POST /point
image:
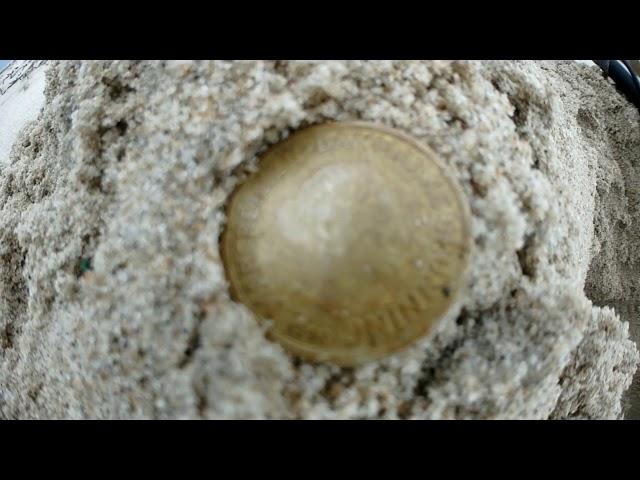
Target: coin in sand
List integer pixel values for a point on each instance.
(352, 239)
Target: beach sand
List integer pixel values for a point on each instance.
(113, 298)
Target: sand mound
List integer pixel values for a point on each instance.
(113, 300)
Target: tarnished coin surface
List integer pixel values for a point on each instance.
(351, 238)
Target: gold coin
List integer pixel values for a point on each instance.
(351, 238)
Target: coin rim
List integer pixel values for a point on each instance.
(352, 358)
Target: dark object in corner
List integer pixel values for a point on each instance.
(626, 79)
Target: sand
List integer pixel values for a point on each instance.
(113, 298)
